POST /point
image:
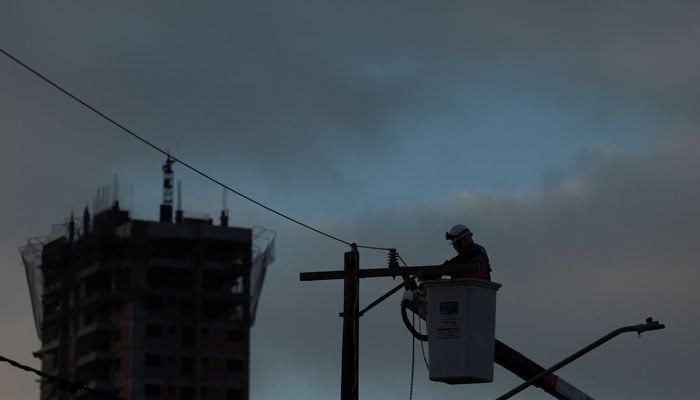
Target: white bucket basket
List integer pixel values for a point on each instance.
(461, 329)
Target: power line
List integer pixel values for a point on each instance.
(63, 384)
(413, 360)
(166, 153)
(419, 331)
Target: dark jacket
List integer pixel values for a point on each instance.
(476, 258)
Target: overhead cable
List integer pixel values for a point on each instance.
(72, 387)
(166, 153)
(413, 361)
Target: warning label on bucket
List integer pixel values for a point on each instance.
(448, 327)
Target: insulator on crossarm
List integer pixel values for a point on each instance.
(393, 259)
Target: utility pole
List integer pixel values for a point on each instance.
(349, 383)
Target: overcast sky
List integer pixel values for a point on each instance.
(564, 134)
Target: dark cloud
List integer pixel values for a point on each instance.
(285, 79)
(295, 93)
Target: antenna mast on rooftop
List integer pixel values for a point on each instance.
(166, 208)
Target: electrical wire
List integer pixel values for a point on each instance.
(184, 163)
(425, 359)
(413, 361)
(72, 387)
(422, 349)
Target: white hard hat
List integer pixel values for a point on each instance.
(457, 233)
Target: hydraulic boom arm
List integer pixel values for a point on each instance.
(525, 368)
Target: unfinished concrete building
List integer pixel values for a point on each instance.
(144, 309)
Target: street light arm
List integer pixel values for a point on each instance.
(650, 325)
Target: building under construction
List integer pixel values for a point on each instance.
(145, 309)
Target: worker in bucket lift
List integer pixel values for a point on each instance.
(469, 253)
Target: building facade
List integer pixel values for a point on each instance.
(147, 310)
